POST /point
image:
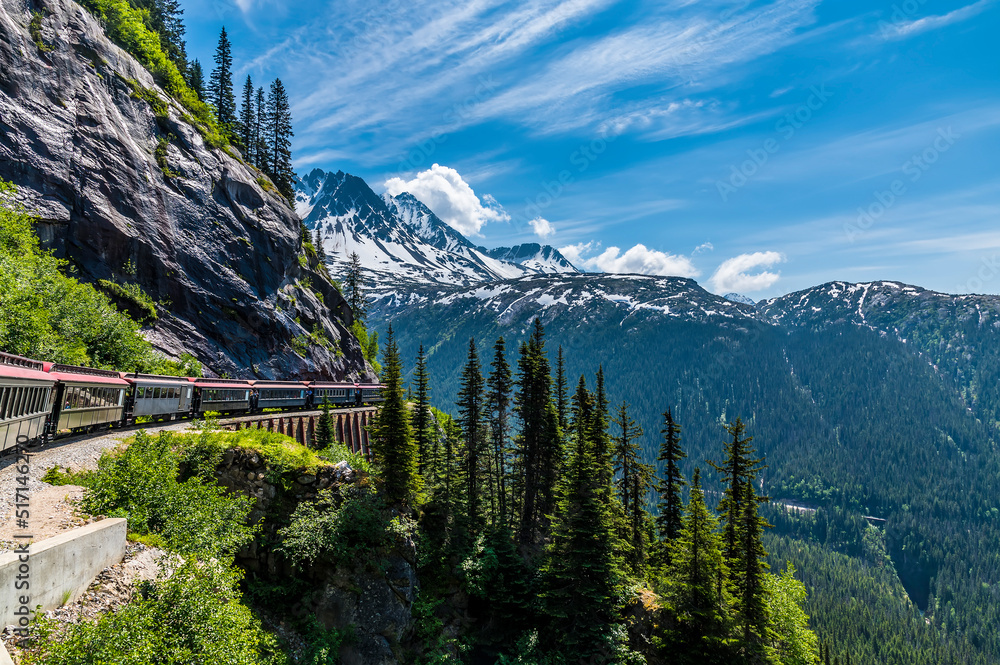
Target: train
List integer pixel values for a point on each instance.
(43, 400)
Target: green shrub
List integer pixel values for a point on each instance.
(56, 476)
(345, 525)
(35, 29)
(134, 295)
(194, 616)
(140, 482)
(150, 96)
(337, 452)
(267, 185)
(369, 344)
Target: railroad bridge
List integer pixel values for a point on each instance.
(350, 426)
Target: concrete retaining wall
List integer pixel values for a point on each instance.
(60, 568)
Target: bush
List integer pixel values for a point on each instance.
(346, 524)
(134, 296)
(140, 482)
(194, 616)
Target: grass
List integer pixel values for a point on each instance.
(134, 295)
(35, 28)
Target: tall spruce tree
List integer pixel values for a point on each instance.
(196, 79)
(423, 431)
(562, 398)
(221, 85)
(500, 383)
(670, 486)
(632, 485)
(538, 446)
(472, 420)
(695, 587)
(738, 469)
(260, 130)
(318, 244)
(279, 139)
(354, 285)
(580, 577)
(393, 444)
(324, 428)
(248, 119)
(750, 580)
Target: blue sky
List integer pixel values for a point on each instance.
(761, 147)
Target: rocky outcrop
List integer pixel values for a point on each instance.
(372, 599)
(128, 191)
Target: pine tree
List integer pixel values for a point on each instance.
(472, 420)
(602, 440)
(221, 86)
(196, 79)
(260, 129)
(318, 244)
(248, 117)
(279, 139)
(738, 469)
(669, 488)
(498, 399)
(632, 485)
(392, 443)
(164, 18)
(581, 579)
(562, 403)
(422, 416)
(538, 446)
(324, 428)
(694, 588)
(749, 578)
(354, 285)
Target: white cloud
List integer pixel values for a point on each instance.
(903, 29)
(703, 247)
(444, 191)
(543, 227)
(639, 259)
(734, 274)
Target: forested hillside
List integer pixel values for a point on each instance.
(851, 420)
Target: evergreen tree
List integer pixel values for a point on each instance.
(562, 399)
(669, 488)
(221, 86)
(472, 420)
(423, 431)
(196, 79)
(260, 130)
(750, 580)
(632, 485)
(324, 428)
(581, 580)
(392, 443)
(500, 383)
(318, 244)
(248, 118)
(738, 469)
(354, 285)
(694, 587)
(538, 446)
(164, 18)
(279, 139)
(602, 440)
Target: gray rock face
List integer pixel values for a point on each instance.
(202, 236)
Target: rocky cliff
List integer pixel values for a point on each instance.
(129, 192)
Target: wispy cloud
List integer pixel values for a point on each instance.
(637, 260)
(904, 28)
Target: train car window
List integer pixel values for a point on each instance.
(35, 392)
(156, 392)
(3, 402)
(19, 404)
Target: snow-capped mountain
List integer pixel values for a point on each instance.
(399, 239)
(540, 258)
(739, 297)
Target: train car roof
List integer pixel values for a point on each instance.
(265, 384)
(12, 360)
(332, 384)
(214, 383)
(14, 372)
(77, 374)
(155, 377)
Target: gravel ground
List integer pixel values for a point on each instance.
(77, 453)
